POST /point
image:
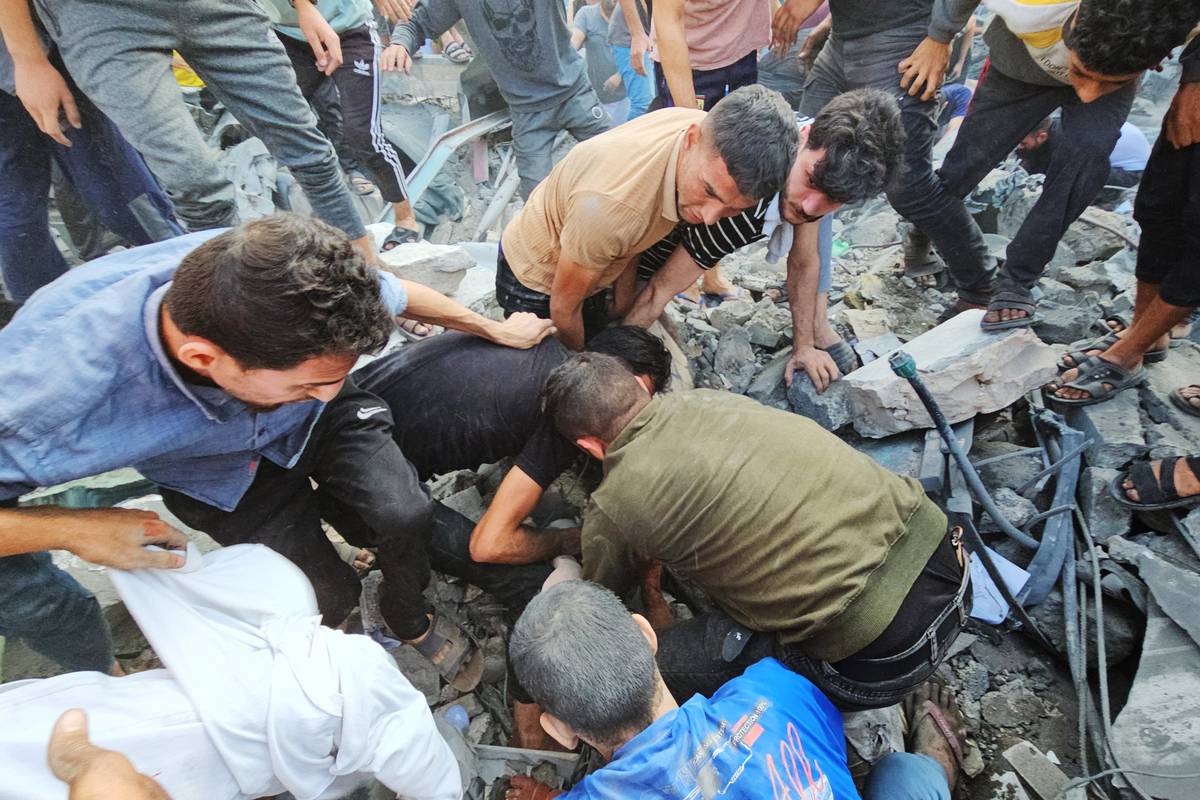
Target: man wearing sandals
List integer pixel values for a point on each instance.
(850, 152)
(1083, 57)
(811, 552)
(348, 28)
(1168, 289)
(216, 365)
(767, 733)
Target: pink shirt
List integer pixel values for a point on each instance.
(719, 32)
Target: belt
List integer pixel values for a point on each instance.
(931, 647)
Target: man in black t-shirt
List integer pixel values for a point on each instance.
(458, 402)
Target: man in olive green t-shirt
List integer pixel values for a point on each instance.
(813, 553)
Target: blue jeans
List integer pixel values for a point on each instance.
(638, 88)
(48, 610)
(907, 776)
(109, 175)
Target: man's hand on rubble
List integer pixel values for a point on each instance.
(817, 364)
(395, 59)
(1183, 118)
(94, 773)
(44, 93)
(326, 45)
(117, 537)
(395, 10)
(786, 23)
(922, 72)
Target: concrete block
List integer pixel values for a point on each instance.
(768, 387)
(1115, 426)
(730, 314)
(968, 371)
(1062, 323)
(869, 323)
(438, 266)
(1093, 243)
(1016, 509)
(902, 454)
(1105, 516)
(734, 359)
(1040, 774)
(468, 502)
(828, 409)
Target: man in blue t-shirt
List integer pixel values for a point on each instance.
(767, 733)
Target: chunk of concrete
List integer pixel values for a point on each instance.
(828, 409)
(420, 671)
(1092, 242)
(969, 372)
(1039, 773)
(869, 323)
(734, 359)
(1062, 323)
(1016, 509)
(1105, 516)
(439, 266)
(731, 314)
(769, 325)
(768, 387)
(1115, 428)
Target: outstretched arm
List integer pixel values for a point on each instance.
(110, 537)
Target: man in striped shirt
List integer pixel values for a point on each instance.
(850, 152)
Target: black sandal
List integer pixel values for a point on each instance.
(1154, 493)
(399, 236)
(1011, 300)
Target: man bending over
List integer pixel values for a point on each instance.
(814, 554)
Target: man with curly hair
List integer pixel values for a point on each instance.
(1082, 57)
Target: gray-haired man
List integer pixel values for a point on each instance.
(613, 196)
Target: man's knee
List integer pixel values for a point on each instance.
(907, 776)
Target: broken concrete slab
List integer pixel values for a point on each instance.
(1016, 509)
(869, 323)
(420, 671)
(1174, 588)
(1156, 731)
(1062, 323)
(1115, 428)
(1039, 773)
(968, 371)
(438, 266)
(770, 324)
(877, 347)
(768, 387)
(828, 409)
(734, 359)
(902, 454)
(1104, 515)
(1014, 706)
(1090, 241)
(731, 314)
(1122, 625)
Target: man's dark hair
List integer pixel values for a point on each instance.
(279, 291)
(754, 132)
(577, 651)
(640, 350)
(591, 394)
(1120, 37)
(863, 140)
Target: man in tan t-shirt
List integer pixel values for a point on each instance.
(614, 195)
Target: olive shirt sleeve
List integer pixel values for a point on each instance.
(607, 558)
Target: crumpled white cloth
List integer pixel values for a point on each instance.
(286, 703)
(778, 231)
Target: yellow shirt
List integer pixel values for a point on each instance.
(610, 198)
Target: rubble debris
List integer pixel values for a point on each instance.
(1012, 707)
(438, 266)
(829, 409)
(1016, 509)
(1122, 626)
(1156, 731)
(1105, 517)
(731, 314)
(1115, 428)
(734, 360)
(969, 371)
(1094, 236)
(1039, 773)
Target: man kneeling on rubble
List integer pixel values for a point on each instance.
(813, 553)
(767, 733)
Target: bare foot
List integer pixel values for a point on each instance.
(1191, 394)
(714, 282)
(1186, 482)
(926, 736)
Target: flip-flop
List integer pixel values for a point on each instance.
(915, 712)
(451, 650)
(1012, 300)
(408, 329)
(1181, 402)
(1101, 379)
(1158, 495)
(1120, 319)
(687, 301)
(721, 297)
(843, 355)
(360, 185)
(399, 236)
(456, 53)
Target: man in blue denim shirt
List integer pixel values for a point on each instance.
(209, 371)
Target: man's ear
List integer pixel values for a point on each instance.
(647, 631)
(646, 382)
(691, 136)
(594, 446)
(198, 354)
(560, 731)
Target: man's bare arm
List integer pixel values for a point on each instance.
(110, 537)
(678, 273)
(803, 277)
(673, 52)
(500, 538)
(39, 86)
(639, 39)
(573, 284)
(521, 330)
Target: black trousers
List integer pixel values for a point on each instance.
(370, 493)
(691, 655)
(514, 296)
(1168, 209)
(357, 80)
